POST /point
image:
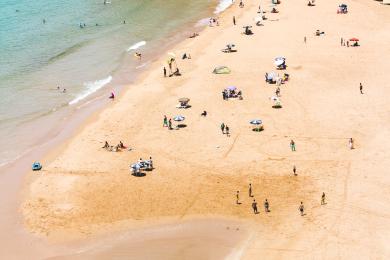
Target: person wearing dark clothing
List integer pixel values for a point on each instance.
(266, 205)
(254, 206)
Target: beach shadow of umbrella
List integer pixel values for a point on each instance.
(139, 174)
(181, 126)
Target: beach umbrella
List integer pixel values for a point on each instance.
(256, 122)
(271, 75)
(179, 118)
(221, 70)
(184, 100)
(354, 39)
(279, 62)
(231, 88)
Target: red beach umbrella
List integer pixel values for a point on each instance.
(354, 39)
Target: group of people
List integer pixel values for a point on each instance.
(167, 123)
(225, 129)
(231, 93)
(115, 148)
(301, 207)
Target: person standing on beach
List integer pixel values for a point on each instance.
(292, 145)
(295, 171)
(254, 206)
(341, 41)
(301, 208)
(347, 43)
(250, 190)
(361, 88)
(234, 20)
(227, 130)
(238, 197)
(304, 39)
(266, 206)
(165, 123)
(170, 124)
(223, 128)
(350, 143)
(323, 199)
(165, 72)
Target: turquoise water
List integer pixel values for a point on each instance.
(42, 47)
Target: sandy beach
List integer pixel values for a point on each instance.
(85, 192)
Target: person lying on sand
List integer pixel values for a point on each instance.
(194, 35)
(106, 145)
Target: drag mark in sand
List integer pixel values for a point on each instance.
(231, 146)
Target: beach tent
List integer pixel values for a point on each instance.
(221, 70)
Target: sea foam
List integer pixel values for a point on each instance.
(136, 46)
(222, 6)
(91, 87)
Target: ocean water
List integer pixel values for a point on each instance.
(44, 45)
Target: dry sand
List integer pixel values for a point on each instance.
(85, 191)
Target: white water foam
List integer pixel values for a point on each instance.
(91, 87)
(222, 6)
(136, 46)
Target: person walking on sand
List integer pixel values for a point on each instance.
(301, 208)
(277, 92)
(170, 124)
(254, 206)
(165, 72)
(350, 143)
(266, 206)
(238, 197)
(323, 199)
(292, 145)
(227, 130)
(234, 20)
(223, 128)
(347, 43)
(304, 39)
(341, 41)
(165, 122)
(361, 88)
(250, 190)
(295, 171)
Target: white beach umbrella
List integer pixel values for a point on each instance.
(179, 118)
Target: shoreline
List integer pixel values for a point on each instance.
(205, 181)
